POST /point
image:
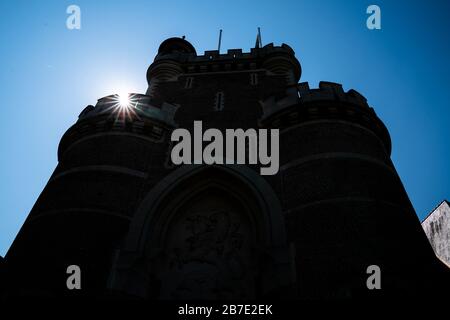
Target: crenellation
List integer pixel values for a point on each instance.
(141, 106)
(302, 93)
(85, 111)
(212, 53)
(357, 98)
(234, 53)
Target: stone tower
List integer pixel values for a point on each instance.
(139, 226)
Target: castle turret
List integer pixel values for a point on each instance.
(105, 161)
(346, 207)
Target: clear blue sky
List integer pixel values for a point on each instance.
(49, 74)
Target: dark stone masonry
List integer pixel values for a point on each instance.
(140, 227)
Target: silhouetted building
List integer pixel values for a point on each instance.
(437, 229)
(139, 226)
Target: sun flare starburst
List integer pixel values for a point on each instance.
(124, 100)
(124, 105)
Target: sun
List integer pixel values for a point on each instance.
(124, 100)
(125, 105)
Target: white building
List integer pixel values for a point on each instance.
(437, 229)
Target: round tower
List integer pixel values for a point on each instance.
(281, 61)
(114, 151)
(168, 62)
(346, 208)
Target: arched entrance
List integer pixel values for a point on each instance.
(206, 232)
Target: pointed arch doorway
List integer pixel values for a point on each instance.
(206, 232)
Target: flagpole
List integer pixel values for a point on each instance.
(220, 40)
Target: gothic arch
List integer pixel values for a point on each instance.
(263, 192)
(228, 203)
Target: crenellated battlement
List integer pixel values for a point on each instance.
(232, 54)
(172, 61)
(140, 105)
(302, 94)
(330, 91)
(140, 117)
(301, 104)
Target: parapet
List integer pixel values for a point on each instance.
(140, 105)
(184, 56)
(301, 94)
(178, 57)
(329, 101)
(141, 117)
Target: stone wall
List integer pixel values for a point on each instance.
(437, 229)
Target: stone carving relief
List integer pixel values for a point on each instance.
(208, 256)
